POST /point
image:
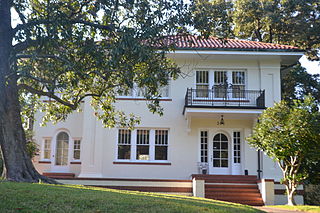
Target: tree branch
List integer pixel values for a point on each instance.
(47, 22)
(48, 94)
(20, 56)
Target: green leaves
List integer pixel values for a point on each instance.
(70, 51)
(290, 134)
(290, 22)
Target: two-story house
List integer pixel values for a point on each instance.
(199, 145)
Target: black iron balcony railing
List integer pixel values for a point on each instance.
(225, 97)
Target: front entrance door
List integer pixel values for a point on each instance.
(61, 153)
(220, 155)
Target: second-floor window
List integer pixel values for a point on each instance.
(137, 92)
(224, 83)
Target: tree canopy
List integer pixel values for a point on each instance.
(69, 50)
(290, 135)
(291, 22)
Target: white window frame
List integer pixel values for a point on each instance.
(135, 90)
(229, 78)
(73, 140)
(43, 149)
(133, 147)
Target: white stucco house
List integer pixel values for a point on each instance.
(199, 145)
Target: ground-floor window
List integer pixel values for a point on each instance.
(124, 144)
(47, 149)
(76, 149)
(143, 144)
(236, 147)
(204, 146)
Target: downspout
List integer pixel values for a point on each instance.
(259, 171)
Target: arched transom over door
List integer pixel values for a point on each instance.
(220, 154)
(62, 149)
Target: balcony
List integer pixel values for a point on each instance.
(225, 98)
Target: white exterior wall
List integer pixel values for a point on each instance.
(98, 146)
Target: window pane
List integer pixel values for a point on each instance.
(143, 136)
(202, 84)
(124, 152)
(202, 91)
(124, 136)
(76, 149)
(224, 163)
(161, 153)
(216, 163)
(161, 137)
(143, 152)
(76, 154)
(47, 149)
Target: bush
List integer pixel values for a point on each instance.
(312, 194)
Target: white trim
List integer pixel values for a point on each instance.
(42, 149)
(133, 146)
(72, 145)
(227, 111)
(59, 168)
(213, 52)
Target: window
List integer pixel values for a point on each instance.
(143, 144)
(224, 83)
(124, 144)
(220, 150)
(62, 149)
(202, 83)
(76, 149)
(140, 92)
(47, 149)
(236, 147)
(238, 84)
(161, 145)
(204, 146)
(220, 84)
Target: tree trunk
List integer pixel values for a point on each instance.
(290, 194)
(17, 164)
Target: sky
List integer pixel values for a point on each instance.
(313, 67)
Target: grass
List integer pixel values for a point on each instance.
(303, 208)
(26, 197)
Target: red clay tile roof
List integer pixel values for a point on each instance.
(197, 42)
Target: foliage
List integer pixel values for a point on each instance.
(294, 22)
(290, 135)
(297, 83)
(69, 50)
(16, 197)
(312, 194)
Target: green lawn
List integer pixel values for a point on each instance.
(24, 197)
(303, 208)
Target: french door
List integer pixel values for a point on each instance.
(61, 153)
(220, 156)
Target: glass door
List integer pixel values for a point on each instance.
(220, 154)
(61, 157)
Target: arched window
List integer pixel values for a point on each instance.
(220, 150)
(62, 149)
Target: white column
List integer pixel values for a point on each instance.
(198, 188)
(89, 167)
(266, 187)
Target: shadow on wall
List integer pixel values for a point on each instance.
(312, 194)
